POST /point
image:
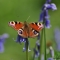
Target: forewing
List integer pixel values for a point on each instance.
(36, 26)
(16, 25)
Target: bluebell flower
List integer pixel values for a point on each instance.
(37, 49)
(20, 39)
(47, 23)
(36, 53)
(38, 37)
(57, 38)
(1, 46)
(24, 48)
(53, 6)
(38, 46)
(48, 1)
(2, 40)
(49, 5)
(44, 14)
(50, 58)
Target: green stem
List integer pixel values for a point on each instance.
(41, 38)
(34, 54)
(44, 43)
(27, 58)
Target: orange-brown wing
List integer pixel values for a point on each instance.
(23, 33)
(36, 26)
(33, 33)
(16, 25)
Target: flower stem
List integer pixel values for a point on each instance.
(44, 20)
(27, 58)
(41, 42)
(44, 43)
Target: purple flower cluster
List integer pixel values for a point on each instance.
(44, 18)
(20, 40)
(37, 46)
(2, 40)
(44, 14)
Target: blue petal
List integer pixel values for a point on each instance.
(47, 6)
(20, 39)
(35, 51)
(38, 37)
(48, 1)
(50, 59)
(47, 24)
(53, 6)
(24, 48)
(46, 14)
(41, 17)
(1, 47)
(57, 37)
(38, 45)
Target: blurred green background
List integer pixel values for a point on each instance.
(19, 10)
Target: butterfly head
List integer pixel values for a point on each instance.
(25, 24)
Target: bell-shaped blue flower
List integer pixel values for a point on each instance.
(50, 58)
(38, 37)
(48, 1)
(57, 38)
(2, 40)
(53, 6)
(20, 39)
(36, 53)
(47, 24)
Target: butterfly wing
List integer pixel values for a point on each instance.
(33, 33)
(35, 28)
(23, 33)
(31, 30)
(16, 25)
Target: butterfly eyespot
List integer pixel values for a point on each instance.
(20, 32)
(15, 22)
(12, 22)
(35, 32)
(39, 24)
(19, 22)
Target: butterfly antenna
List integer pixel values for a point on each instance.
(28, 18)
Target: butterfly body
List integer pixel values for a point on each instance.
(26, 30)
